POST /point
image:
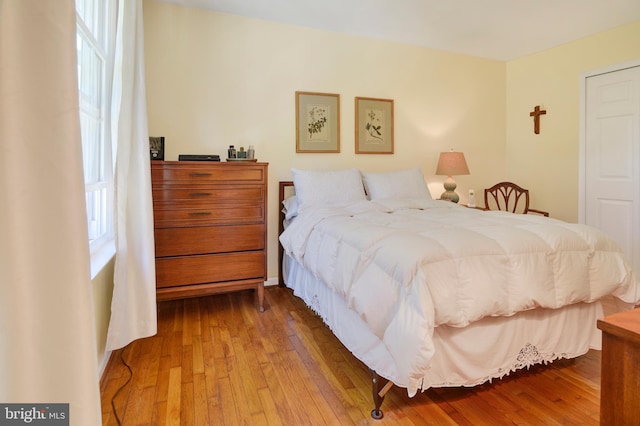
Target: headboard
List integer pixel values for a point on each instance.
(283, 190)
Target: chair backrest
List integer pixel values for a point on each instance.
(507, 196)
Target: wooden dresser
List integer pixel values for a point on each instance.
(620, 374)
(210, 222)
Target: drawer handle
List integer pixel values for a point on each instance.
(199, 194)
(200, 214)
(199, 174)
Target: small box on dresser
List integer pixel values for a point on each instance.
(210, 226)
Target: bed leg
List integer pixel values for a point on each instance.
(379, 391)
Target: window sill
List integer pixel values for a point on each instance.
(101, 256)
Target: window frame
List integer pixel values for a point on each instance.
(98, 31)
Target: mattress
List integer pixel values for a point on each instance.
(464, 356)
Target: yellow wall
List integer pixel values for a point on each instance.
(547, 163)
(215, 79)
(102, 292)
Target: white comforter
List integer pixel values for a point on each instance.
(408, 266)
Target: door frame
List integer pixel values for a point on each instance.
(582, 157)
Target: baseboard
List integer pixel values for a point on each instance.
(271, 281)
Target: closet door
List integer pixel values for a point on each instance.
(612, 157)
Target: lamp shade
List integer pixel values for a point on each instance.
(452, 164)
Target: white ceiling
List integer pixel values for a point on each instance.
(494, 29)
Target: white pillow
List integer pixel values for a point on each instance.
(337, 188)
(290, 207)
(399, 184)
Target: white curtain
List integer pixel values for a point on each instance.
(133, 309)
(47, 329)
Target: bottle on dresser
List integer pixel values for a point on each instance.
(231, 152)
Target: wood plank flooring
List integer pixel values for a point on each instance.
(216, 360)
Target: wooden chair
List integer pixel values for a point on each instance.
(508, 196)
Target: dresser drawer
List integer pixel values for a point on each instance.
(194, 197)
(195, 174)
(238, 214)
(176, 271)
(204, 240)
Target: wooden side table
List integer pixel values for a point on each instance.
(620, 372)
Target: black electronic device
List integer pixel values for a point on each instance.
(198, 157)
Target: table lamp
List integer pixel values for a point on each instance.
(451, 164)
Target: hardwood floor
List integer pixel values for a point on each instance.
(217, 360)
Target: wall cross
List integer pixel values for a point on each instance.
(536, 113)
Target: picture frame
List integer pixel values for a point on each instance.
(317, 122)
(156, 147)
(374, 125)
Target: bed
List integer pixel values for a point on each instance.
(428, 293)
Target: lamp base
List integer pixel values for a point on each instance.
(449, 194)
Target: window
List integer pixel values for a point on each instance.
(95, 43)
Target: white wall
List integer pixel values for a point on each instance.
(215, 79)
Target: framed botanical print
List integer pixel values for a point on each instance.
(317, 122)
(374, 126)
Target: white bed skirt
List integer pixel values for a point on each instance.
(487, 349)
